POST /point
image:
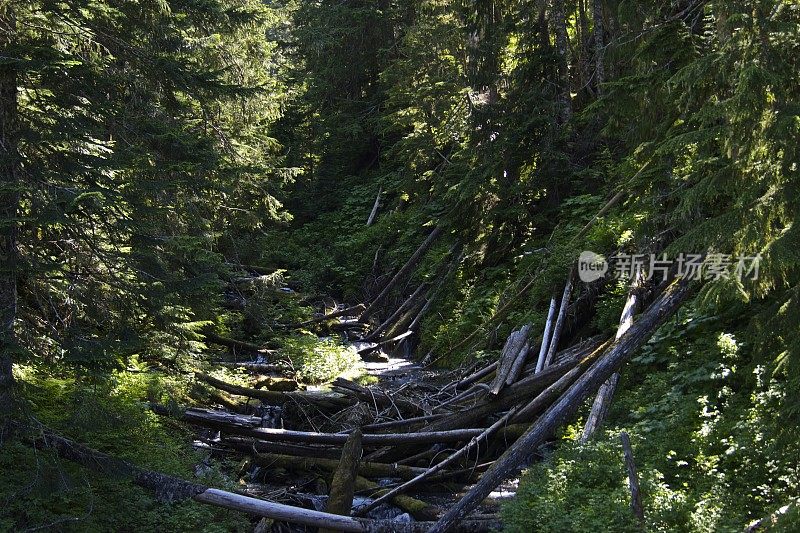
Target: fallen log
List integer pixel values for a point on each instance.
(402, 423)
(602, 402)
(202, 418)
(275, 397)
(619, 352)
(365, 468)
(169, 488)
(417, 508)
(633, 478)
(347, 311)
(548, 325)
(377, 396)
(452, 458)
(257, 368)
(519, 362)
(551, 393)
(559, 325)
(254, 447)
(236, 345)
(401, 274)
(410, 302)
(384, 342)
(477, 376)
(343, 484)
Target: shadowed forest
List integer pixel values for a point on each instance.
(399, 265)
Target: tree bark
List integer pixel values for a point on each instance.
(560, 412)
(9, 207)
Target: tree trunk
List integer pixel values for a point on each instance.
(343, 484)
(546, 335)
(570, 401)
(9, 205)
(559, 16)
(562, 316)
(599, 45)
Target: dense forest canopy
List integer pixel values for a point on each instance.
(188, 187)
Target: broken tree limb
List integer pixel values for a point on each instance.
(546, 335)
(560, 412)
(343, 484)
(602, 402)
(374, 211)
(633, 478)
(562, 315)
(401, 274)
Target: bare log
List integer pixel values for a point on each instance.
(452, 458)
(254, 447)
(511, 351)
(343, 484)
(401, 274)
(402, 423)
(619, 352)
(374, 211)
(365, 468)
(274, 397)
(236, 345)
(169, 488)
(418, 509)
(477, 376)
(251, 366)
(519, 363)
(546, 335)
(633, 478)
(602, 402)
(202, 417)
(562, 315)
(347, 311)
